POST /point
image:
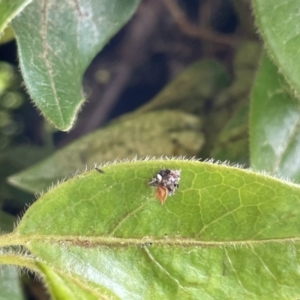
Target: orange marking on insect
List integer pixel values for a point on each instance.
(161, 194)
(166, 182)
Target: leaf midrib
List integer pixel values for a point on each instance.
(89, 242)
(44, 35)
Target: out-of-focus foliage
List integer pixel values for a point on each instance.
(8, 35)
(11, 98)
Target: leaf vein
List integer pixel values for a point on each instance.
(45, 48)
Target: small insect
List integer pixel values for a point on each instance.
(166, 182)
(99, 170)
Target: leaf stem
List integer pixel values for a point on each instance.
(19, 260)
(11, 239)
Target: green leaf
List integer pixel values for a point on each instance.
(245, 65)
(10, 287)
(7, 36)
(225, 124)
(227, 233)
(274, 124)
(9, 80)
(6, 221)
(24, 156)
(9, 9)
(13, 160)
(156, 134)
(277, 21)
(185, 92)
(232, 143)
(56, 49)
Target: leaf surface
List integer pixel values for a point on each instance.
(277, 21)
(227, 233)
(64, 38)
(274, 124)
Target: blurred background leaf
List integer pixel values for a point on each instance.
(8, 35)
(232, 143)
(228, 121)
(10, 287)
(6, 222)
(191, 89)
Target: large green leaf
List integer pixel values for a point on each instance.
(277, 21)
(274, 124)
(9, 9)
(156, 134)
(57, 47)
(227, 233)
